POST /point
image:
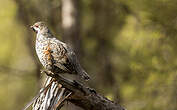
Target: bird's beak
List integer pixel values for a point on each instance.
(32, 27)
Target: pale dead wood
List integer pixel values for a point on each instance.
(82, 96)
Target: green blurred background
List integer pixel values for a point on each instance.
(127, 46)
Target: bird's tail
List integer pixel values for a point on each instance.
(84, 75)
(81, 72)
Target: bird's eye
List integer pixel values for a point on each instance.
(37, 26)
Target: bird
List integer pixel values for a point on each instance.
(55, 55)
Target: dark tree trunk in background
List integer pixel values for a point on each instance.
(103, 29)
(71, 17)
(24, 18)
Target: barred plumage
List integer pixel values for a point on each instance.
(54, 54)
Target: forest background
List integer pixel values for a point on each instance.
(127, 46)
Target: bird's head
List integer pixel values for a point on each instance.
(39, 27)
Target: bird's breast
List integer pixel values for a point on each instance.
(41, 48)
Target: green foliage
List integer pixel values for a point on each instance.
(129, 49)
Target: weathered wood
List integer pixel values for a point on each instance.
(85, 97)
(51, 97)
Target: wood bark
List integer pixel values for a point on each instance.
(82, 96)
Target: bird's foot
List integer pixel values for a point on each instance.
(42, 71)
(47, 72)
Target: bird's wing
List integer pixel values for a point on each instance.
(75, 63)
(62, 57)
(65, 59)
